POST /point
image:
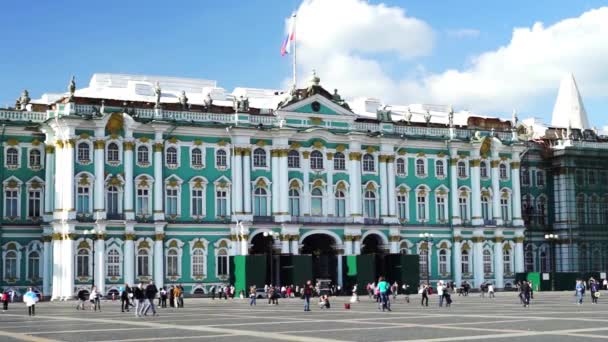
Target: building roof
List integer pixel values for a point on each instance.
(569, 110)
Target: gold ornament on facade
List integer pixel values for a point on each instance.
(457, 238)
(233, 237)
(348, 238)
(466, 247)
(495, 163)
(128, 145)
(70, 236)
(305, 154)
(223, 244)
(330, 156)
(84, 135)
(515, 165)
(12, 184)
(173, 140)
(260, 143)
(485, 193)
(453, 162)
(35, 185)
(505, 195)
(444, 245)
(114, 136)
(172, 244)
(486, 145)
(198, 183)
(222, 184)
(100, 144)
(441, 155)
(294, 185)
(519, 239)
(46, 238)
(421, 154)
(11, 246)
(83, 244)
(144, 139)
(318, 144)
(394, 238)
(172, 183)
(59, 144)
(464, 193)
(370, 186)
(475, 163)
(246, 151)
(442, 192)
(356, 237)
(370, 149)
(382, 158)
(143, 182)
(84, 180)
(317, 183)
(477, 239)
(221, 143)
(354, 156)
(275, 153)
(499, 239)
(115, 123)
(158, 147)
(316, 121)
(143, 244)
(35, 142)
(57, 236)
(159, 237)
(341, 186)
(129, 237)
(295, 145)
(424, 246)
(12, 142)
(115, 181)
(340, 148)
(506, 247)
(260, 183)
(49, 149)
(402, 190)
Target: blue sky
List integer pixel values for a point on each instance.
(237, 43)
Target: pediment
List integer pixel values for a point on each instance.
(317, 105)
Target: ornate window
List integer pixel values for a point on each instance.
(421, 205)
(439, 168)
(316, 201)
(529, 259)
(113, 153)
(525, 176)
(112, 202)
(33, 265)
(143, 155)
(420, 167)
(172, 261)
(368, 163)
(221, 159)
(443, 261)
(541, 210)
(35, 159)
(34, 203)
(462, 169)
(441, 209)
(400, 167)
(339, 161)
(260, 202)
(340, 203)
(198, 258)
(502, 169)
(402, 206)
(196, 157)
(172, 201)
(12, 157)
(487, 261)
(171, 157)
(506, 257)
(485, 208)
(423, 254)
(197, 202)
(293, 159)
(221, 202)
(143, 201)
(483, 169)
(83, 196)
(83, 153)
(222, 262)
(464, 262)
(259, 158)
(11, 199)
(113, 263)
(540, 178)
(504, 207)
(10, 265)
(463, 205)
(143, 262)
(82, 263)
(294, 202)
(316, 160)
(369, 204)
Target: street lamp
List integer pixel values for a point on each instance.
(552, 238)
(428, 239)
(272, 236)
(92, 233)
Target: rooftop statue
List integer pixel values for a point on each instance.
(427, 118)
(408, 116)
(157, 91)
(384, 113)
(24, 100)
(208, 101)
(72, 88)
(183, 100)
(451, 117)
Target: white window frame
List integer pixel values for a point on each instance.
(89, 144)
(179, 250)
(426, 190)
(217, 250)
(444, 167)
(469, 260)
(40, 190)
(91, 180)
(462, 167)
(373, 162)
(150, 250)
(467, 203)
(29, 157)
(525, 171)
(120, 152)
(17, 189)
(345, 191)
(320, 198)
(541, 173)
(444, 196)
(345, 168)
(485, 165)
(116, 245)
(222, 184)
(483, 257)
(177, 187)
(319, 159)
(293, 200)
(447, 263)
(509, 204)
(191, 157)
(266, 166)
(138, 162)
(178, 156)
(500, 176)
(406, 194)
(34, 246)
(299, 159)
(404, 161)
(425, 166)
(18, 256)
(149, 186)
(227, 156)
(205, 249)
(192, 185)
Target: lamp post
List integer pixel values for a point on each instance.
(272, 236)
(552, 238)
(428, 239)
(92, 233)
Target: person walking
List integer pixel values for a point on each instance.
(594, 289)
(124, 298)
(163, 297)
(252, 295)
(395, 290)
(5, 301)
(440, 290)
(150, 295)
(491, 291)
(180, 298)
(383, 290)
(527, 293)
(306, 294)
(139, 297)
(94, 299)
(30, 298)
(424, 301)
(579, 291)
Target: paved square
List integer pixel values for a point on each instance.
(552, 317)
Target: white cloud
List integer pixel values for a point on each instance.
(354, 46)
(463, 33)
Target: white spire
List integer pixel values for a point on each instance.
(569, 110)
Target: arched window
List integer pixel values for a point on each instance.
(464, 262)
(10, 265)
(439, 168)
(316, 201)
(113, 153)
(443, 261)
(197, 201)
(293, 159)
(82, 263)
(420, 168)
(196, 157)
(198, 263)
(171, 156)
(402, 207)
(503, 171)
(11, 201)
(400, 166)
(171, 201)
(421, 206)
(221, 160)
(529, 259)
(143, 263)
(368, 163)
(83, 199)
(12, 157)
(369, 204)
(525, 176)
(33, 265)
(260, 202)
(113, 263)
(463, 202)
(222, 262)
(143, 155)
(339, 161)
(544, 264)
(259, 157)
(316, 160)
(221, 202)
(541, 210)
(172, 263)
(142, 204)
(423, 254)
(441, 208)
(340, 204)
(506, 257)
(462, 169)
(112, 204)
(83, 153)
(483, 169)
(485, 208)
(35, 158)
(487, 261)
(294, 202)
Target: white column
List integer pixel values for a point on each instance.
(68, 185)
(499, 269)
(305, 201)
(357, 245)
(159, 256)
(515, 183)
(100, 263)
(99, 164)
(46, 271)
(456, 220)
(519, 253)
(67, 284)
(237, 180)
(478, 259)
(394, 244)
(392, 200)
(159, 213)
(496, 215)
(383, 187)
(284, 185)
(354, 171)
(276, 193)
(247, 181)
(245, 244)
(340, 281)
(457, 257)
(57, 266)
(329, 194)
(285, 244)
(58, 188)
(477, 220)
(348, 245)
(129, 259)
(49, 182)
(128, 162)
(295, 245)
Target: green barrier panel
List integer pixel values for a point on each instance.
(366, 271)
(534, 278)
(349, 273)
(302, 269)
(248, 270)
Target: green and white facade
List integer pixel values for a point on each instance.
(164, 188)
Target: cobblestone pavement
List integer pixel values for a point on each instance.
(552, 317)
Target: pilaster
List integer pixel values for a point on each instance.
(477, 220)
(456, 220)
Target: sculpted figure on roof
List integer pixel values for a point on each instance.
(157, 91)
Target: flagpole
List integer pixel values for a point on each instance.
(295, 38)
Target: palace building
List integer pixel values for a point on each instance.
(139, 178)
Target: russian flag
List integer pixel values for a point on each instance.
(291, 37)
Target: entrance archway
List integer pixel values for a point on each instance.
(322, 248)
(373, 246)
(263, 245)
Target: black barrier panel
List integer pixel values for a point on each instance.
(296, 269)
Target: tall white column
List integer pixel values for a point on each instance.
(67, 283)
(354, 174)
(478, 259)
(519, 253)
(456, 220)
(496, 215)
(46, 270)
(58, 189)
(284, 184)
(57, 266)
(340, 281)
(305, 201)
(285, 244)
(68, 184)
(457, 257)
(100, 262)
(99, 165)
(49, 189)
(477, 220)
(348, 245)
(159, 256)
(515, 183)
(357, 245)
(237, 180)
(275, 167)
(394, 243)
(159, 213)
(392, 200)
(499, 269)
(245, 244)
(247, 181)
(129, 257)
(383, 187)
(329, 192)
(128, 162)
(295, 245)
